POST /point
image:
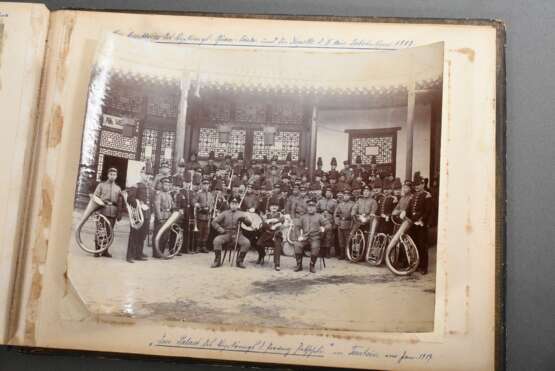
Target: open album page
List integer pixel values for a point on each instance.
(282, 191)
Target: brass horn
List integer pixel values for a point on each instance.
(136, 216)
(104, 235)
(177, 232)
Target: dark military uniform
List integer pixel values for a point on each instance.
(184, 202)
(110, 193)
(326, 207)
(143, 193)
(271, 236)
(417, 211)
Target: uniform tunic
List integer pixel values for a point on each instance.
(418, 210)
(205, 199)
(109, 193)
(343, 220)
(226, 223)
(310, 225)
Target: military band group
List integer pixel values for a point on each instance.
(266, 205)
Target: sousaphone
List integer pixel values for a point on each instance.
(174, 240)
(103, 232)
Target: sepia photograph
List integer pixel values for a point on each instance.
(260, 187)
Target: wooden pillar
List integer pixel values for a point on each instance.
(411, 99)
(313, 142)
(179, 149)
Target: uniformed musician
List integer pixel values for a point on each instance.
(227, 225)
(326, 207)
(163, 208)
(333, 171)
(203, 202)
(417, 211)
(163, 173)
(312, 225)
(142, 192)
(184, 202)
(110, 193)
(271, 234)
(363, 210)
(343, 219)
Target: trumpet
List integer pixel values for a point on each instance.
(136, 216)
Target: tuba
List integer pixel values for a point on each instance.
(175, 237)
(103, 235)
(136, 217)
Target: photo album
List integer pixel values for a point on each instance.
(309, 191)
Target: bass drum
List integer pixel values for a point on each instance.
(251, 231)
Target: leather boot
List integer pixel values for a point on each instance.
(312, 264)
(240, 259)
(299, 266)
(217, 259)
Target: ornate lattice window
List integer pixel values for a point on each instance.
(380, 144)
(284, 142)
(166, 146)
(148, 145)
(219, 111)
(124, 100)
(209, 140)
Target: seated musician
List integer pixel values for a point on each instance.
(271, 235)
(312, 225)
(363, 209)
(227, 225)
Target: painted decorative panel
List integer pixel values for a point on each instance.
(111, 139)
(163, 106)
(286, 114)
(251, 113)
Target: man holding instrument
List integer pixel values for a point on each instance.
(228, 225)
(312, 226)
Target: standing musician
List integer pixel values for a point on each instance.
(365, 208)
(385, 211)
(227, 224)
(110, 193)
(319, 172)
(271, 235)
(210, 167)
(250, 201)
(333, 172)
(326, 207)
(299, 203)
(164, 172)
(203, 202)
(417, 211)
(140, 192)
(274, 197)
(343, 220)
(346, 172)
(179, 177)
(287, 169)
(163, 208)
(312, 225)
(184, 202)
